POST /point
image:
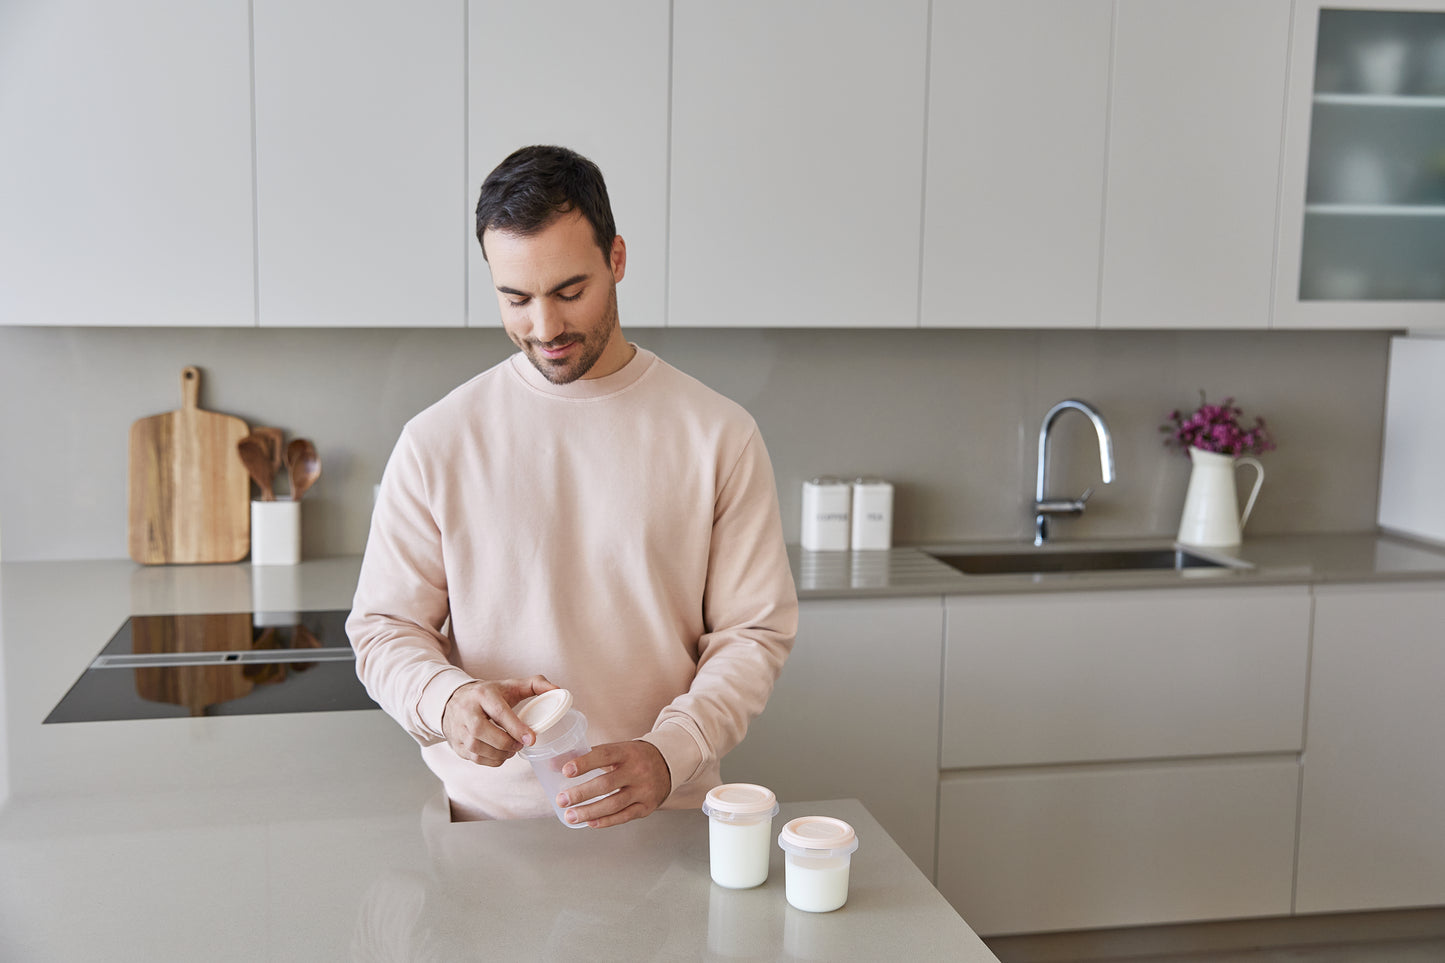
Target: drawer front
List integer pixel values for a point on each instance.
(1128, 846)
(1101, 676)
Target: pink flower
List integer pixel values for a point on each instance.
(1216, 428)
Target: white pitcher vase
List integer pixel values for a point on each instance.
(1211, 505)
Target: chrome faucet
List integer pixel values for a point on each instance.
(1044, 506)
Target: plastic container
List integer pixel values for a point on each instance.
(561, 737)
(740, 833)
(819, 854)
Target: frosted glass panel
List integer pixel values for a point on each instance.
(1375, 198)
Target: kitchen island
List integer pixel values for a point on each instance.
(320, 835)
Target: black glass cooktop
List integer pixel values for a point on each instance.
(218, 664)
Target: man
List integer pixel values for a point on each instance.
(582, 515)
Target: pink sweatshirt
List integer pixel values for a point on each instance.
(618, 535)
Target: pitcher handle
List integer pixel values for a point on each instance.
(1258, 481)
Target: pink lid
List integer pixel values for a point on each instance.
(542, 712)
(740, 799)
(818, 835)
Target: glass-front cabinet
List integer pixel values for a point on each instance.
(1362, 227)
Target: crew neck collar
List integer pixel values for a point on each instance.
(584, 389)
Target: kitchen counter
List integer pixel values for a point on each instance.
(319, 835)
(1273, 560)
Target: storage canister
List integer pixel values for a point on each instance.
(872, 514)
(740, 832)
(561, 737)
(819, 854)
(827, 506)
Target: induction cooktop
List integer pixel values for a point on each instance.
(218, 664)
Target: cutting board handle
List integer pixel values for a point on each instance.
(190, 387)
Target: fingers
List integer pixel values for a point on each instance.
(480, 724)
(633, 772)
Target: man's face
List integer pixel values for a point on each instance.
(558, 297)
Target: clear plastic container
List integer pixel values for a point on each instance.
(561, 737)
(740, 832)
(819, 855)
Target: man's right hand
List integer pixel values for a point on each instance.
(479, 723)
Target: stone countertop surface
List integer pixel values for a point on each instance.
(1317, 559)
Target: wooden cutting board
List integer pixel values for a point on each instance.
(190, 495)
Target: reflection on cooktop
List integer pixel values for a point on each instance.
(214, 664)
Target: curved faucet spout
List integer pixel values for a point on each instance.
(1043, 505)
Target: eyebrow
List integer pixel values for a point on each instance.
(574, 279)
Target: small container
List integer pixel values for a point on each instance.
(561, 737)
(275, 532)
(827, 504)
(872, 514)
(740, 832)
(819, 854)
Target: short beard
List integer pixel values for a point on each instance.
(566, 372)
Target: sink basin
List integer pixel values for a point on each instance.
(1076, 560)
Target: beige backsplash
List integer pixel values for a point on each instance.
(951, 417)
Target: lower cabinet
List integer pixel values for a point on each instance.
(1087, 847)
(1372, 807)
(855, 715)
(1121, 758)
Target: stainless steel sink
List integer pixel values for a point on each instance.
(1077, 560)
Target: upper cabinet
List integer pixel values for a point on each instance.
(592, 77)
(797, 163)
(125, 163)
(1194, 142)
(1017, 110)
(360, 197)
(1362, 225)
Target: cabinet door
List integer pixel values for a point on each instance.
(592, 77)
(1118, 846)
(797, 163)
(361, 208)
(855, 714)
(1098, 676)
(125, 164)
(1196, 113)
(1362, 212)
(1374, 788)
(1014, 202)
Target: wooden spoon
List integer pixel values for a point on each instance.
(303, 466)
(257, 459)
(271, 437)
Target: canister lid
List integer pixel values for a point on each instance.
(542, 712)
(818, 835)
(827, 481)
(740, 799)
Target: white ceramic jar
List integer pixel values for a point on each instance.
(819, 855)
(740, 833)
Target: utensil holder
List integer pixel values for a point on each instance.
(275, 532)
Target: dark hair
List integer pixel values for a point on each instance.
(534, 185)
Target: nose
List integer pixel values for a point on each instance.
(547, 321)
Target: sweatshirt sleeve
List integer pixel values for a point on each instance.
(401, 605)
(750, 610)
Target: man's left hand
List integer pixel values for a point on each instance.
(635, 769)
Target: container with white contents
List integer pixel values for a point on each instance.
(740, 832)
(561, 737)
(819, 852)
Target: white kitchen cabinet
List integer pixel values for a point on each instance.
(1362, 211)
(1097, 676)
(360, 192)
(1017, 111)
(1196, 111)
(1374, 788)
(797, 163)
(125, 164)
(592, 77)
(1077, 848)
(855, 714)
